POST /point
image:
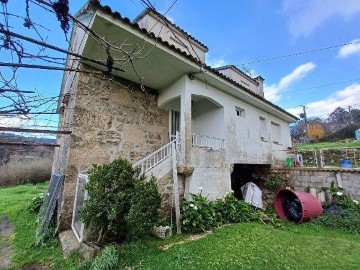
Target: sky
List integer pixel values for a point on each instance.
(308, 52)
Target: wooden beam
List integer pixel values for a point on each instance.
(3, 90)
(28, 130)
(29, 144)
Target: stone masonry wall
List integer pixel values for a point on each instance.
(304, 178)
(108, 121)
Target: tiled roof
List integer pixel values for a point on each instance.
(238, 70)
(116, 15)
(149, 10)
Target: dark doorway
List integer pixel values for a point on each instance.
(244, 173)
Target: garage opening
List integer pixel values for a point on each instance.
(244, 173)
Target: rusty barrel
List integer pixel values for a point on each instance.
(307, 205)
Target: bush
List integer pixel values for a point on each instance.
(121, 203)
(274, 183)
(345, 219)
(35, 204)
(108, 259)
(143, 214)
(231, 210)
(201, 214)
(345, 215)
(197, 215)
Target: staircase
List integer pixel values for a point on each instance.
(149, 165)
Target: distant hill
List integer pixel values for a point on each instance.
(11, 137)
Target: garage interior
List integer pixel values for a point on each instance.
(244, 173)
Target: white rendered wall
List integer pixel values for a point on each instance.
(205, 115)
(243, 142)
(173, 36)
(242, 79)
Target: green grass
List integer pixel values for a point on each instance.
(340, 144)
(13, 203)
(238, 246)
(252, 246)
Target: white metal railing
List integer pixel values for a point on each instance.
(155, 158)
(200, 140)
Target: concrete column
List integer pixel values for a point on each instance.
(185, 125)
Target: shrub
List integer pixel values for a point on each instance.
(117, 206)
(35, 203)
(345, 215)
(201, 214)
(197, 215)
(345, 219)
(274, 183)
(108, 259)
(143, 214)
(231, 210)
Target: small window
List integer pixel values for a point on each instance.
(263, 129)
(240, 112)
(275, 132)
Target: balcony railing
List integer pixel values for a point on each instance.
(199, 140)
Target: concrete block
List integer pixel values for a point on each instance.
(88, 252)
(69, 243)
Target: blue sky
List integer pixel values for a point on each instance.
(239, 32)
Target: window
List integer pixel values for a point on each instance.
(275, 132)
(240, 112)
(263, 129)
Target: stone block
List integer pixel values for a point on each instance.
(88, 252)
(69, 243)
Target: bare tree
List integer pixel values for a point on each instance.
(34, 52)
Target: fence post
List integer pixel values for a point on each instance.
(176, 190)
(318, 156)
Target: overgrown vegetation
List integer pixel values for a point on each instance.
(274, 183)
(15, 204)
(24, 171)
(108, 259)
(121, 204)
(201, 214)
(261, 246)
(343, 213)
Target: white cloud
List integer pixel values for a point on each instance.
(272, 92)
(13, 121)
(353, 47)
(215, 62)
(342, 98)
(306, 16)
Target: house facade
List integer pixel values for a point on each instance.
(222, 125)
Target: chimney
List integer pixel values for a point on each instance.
(260, 80)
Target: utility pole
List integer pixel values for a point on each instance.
(350, 118)
(303, 115)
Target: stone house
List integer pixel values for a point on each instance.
(223, 127)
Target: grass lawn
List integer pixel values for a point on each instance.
(239, 246)
(252, 246)
(340, 144)
(13, 203)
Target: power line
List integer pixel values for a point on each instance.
(314, 87)
(297, 53)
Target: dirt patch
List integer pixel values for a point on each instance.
(5, 250)
(193, 237)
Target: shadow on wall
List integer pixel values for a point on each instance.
(22, 171)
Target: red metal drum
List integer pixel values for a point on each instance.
(310, 205)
